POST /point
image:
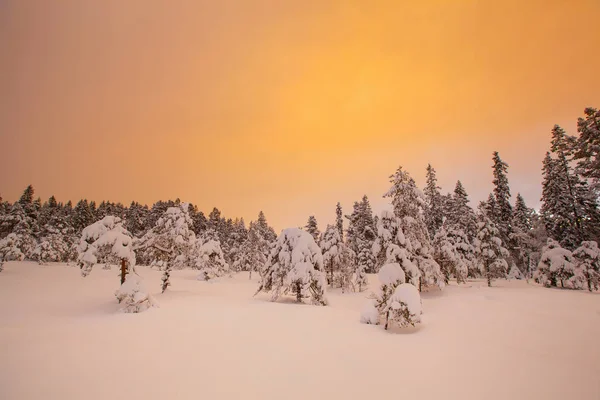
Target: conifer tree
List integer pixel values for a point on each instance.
(587, 150)
(433, 202)
(587, 265)
(488, 247)
(339, 220)
(312, 228)
(460, 214)
(503, 214)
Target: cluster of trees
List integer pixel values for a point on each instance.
(432, 237)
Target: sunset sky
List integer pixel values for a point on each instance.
(285, 106)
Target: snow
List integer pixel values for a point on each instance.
(409, 295)
(390, 274)
(63, 337)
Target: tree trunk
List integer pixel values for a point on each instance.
(589, 284)
(250, 274)
(123, 270)
(298, 292)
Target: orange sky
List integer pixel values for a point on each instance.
(285, 106)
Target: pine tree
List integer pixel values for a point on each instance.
(503, 214)
(453, 252)
(312, 228)
(339, 220)
(170, 243)
(433, 201)
(82, 215)
(301, 274)
(210, 260)
(336, 258)
(488, 247)
(460, 214)
(587, 152)
(408, 205)
(587, 265)
(556, 265)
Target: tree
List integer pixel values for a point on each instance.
(394, 301)
(433, 201)
(82, 215)
(252, 253)
(587, 264)
(10, 250)
(556, 265)
(587, 150)
(408, 203)
(453, 252)
(503, 215)
(569, 206)
(338, 259)
(133, 296)
(339, 220)
(210, 260)
(361, 235)
(295, 265)
(105, 241)
(460, 214)
(170, 243)
(311, 227)
(488, 247)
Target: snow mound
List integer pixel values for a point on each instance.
(404, 306)
(391, 273)
(369, 314)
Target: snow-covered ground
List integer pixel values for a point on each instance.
(61, 337)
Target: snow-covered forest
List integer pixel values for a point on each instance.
(471, 283)
(434, 237)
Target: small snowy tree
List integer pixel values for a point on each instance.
(338, 260)
(587, 264)
(312, 228)
(170, 242)
(295, 265)
(452, 251)
(556, 265)
(104, 241)
(488, 247)
(210, 260)
(394, 301)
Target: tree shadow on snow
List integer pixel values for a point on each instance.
(411, 330)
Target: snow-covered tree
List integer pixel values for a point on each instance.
(394, 301)
(569, 205)
(408, 203)
(556, 265)
(453, 252)
(10, 249)
(105, 241)
(210, 260)
(433, 202)
(338, 260)
(587, 264)
(339, 220)
(460, 214)
(361, 234)
(295, 265)
(587, 152)
(503, 216)
(170, 243)
(488, 247)
(312, 228)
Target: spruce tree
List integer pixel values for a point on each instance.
(339, 220)
(587, 152)
(503, 213)
(434, 202)
(488, 247)
(312, 228)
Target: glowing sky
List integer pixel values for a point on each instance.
(285, 106)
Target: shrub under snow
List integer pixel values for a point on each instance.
(395, 301)
(9, 249)
(556, 265)
(587, 260)
(133, 296)
(295, 265)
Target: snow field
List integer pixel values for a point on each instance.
(62, 337)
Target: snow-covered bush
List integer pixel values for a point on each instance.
(556, 265)
(295, 265)
(104, 241)
(404, 306)
(133, 296)
(210, 260)
(51, 248)
(515, 272)
(369, 314)
(9, 249)
(587, 262)
(395, 301)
